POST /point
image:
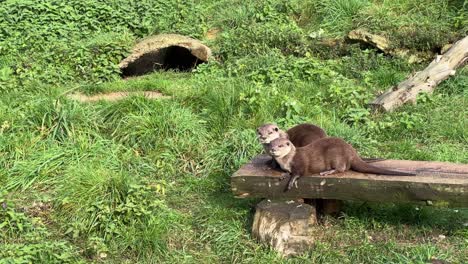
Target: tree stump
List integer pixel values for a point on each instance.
(285, 225)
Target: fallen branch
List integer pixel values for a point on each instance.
(424, 81)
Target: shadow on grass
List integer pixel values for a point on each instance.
(228, 201)
(449, 220)
(369, 214)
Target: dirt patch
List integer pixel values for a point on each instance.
(164, 52)
(38, 209)
(42, 210)
(115, 96)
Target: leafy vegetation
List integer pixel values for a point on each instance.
(148, 180)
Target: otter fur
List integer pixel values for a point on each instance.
(300, 135)
(325, 156)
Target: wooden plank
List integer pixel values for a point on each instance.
(435, 181)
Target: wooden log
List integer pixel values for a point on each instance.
(435, 181)
(285, 225)
(424, 81)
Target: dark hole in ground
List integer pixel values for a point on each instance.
(170, 58)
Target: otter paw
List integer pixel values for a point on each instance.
(291, 182)
(289, 186)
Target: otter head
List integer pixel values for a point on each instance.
(280, 147)
(268, 132)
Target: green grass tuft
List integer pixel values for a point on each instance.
(147, 181)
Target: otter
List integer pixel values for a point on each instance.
(300, 135)
(325, 156)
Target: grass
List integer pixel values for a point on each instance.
(147, 181)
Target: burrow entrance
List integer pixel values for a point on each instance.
(165, 52)
(170, 58)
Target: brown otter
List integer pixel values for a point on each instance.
(325, 156)
(300, 135)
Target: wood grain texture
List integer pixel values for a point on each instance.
(435, 181)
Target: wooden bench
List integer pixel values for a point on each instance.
(283, 220)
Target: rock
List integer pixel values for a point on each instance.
(386, 46)
(285, 225)
(377, 41)
(165, 51)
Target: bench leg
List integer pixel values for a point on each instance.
(285, 225)
(325, 207)
(330, 207)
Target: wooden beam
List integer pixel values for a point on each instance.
(435, 181)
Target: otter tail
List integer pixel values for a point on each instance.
(370, 160)
(360, 166)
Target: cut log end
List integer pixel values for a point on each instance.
(285, 226)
